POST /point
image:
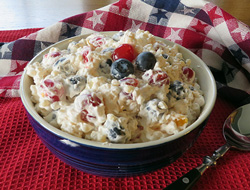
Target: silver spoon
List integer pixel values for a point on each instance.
(236, 131)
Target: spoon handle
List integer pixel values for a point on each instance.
(186, 181)
(189, 179)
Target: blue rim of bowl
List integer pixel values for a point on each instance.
(207, 109)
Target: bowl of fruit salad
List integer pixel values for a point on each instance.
(117, 103)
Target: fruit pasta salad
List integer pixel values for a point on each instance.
(126, 88)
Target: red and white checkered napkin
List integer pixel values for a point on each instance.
(219, 39)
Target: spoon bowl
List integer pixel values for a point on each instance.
(236, 131)
(236, 128)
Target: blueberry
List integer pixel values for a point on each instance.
(53, 116)
(165, 56)
(75, 85)
(145, 61)
(74, 80)
(153, 109)
(177, 90)
(116, 134)
(176, 86)
(115, 131)
(191, 88)
(106, 64)
(109, 62)
(110, 49)
(117, 36)
(121, 68)
(59, 60)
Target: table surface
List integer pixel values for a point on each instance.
(42, 13)
(38, 14)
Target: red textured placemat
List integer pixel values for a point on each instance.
(25, 163)
(11, 35)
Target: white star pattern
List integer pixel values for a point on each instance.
(5, 49)
(135, 26)
(218, 11)
(96, 19)
(218, 16)
(187, 10)
(2, 50)
(2, 90)
(43, 46)
(242, 29)
(5, 67)
(174, 36)
(214, 45)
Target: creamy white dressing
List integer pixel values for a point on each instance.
(74, 91)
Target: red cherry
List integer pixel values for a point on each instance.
(125, 51)
(128, 95)
(188, 72)
(50, 90)
(49, 83)
(95, 101)
(158, 78)
(55, 98)
(55, 54)
(97, 41)
(59, 92)
(85, 116)
(91, 99)
(86, 50)
(130, 81)
(140, 127)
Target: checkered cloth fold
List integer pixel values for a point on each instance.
(219, 39)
